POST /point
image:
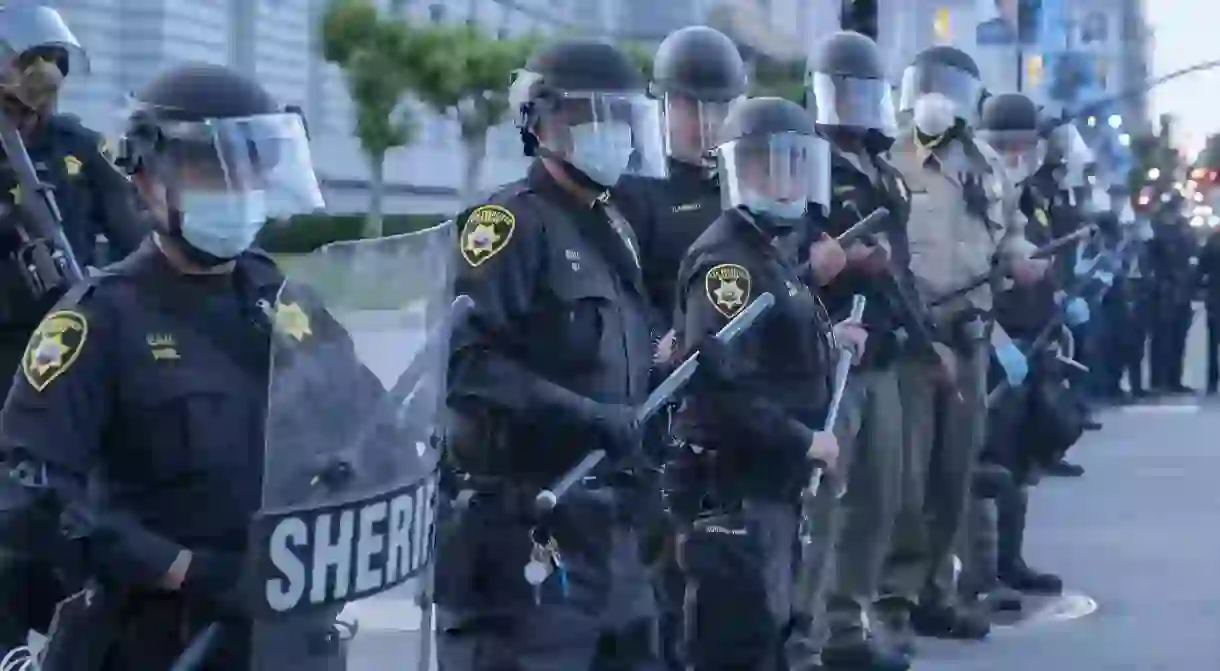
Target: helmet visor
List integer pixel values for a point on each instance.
(854, 102)
(606, 134)
(29, 31)
(268, 153)
(958, 86)
(776, 174)
(691, 126)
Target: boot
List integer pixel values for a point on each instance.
(1022, 578)
(857, 650)
(1002, 599)
(951, 622)
(894, 625)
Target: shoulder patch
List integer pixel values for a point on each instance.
(728, 288)
(487, 231)
(54, 347)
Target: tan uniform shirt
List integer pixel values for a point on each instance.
(950, 246)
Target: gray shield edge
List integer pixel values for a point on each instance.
(343, 545)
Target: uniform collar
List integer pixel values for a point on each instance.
(543, 182)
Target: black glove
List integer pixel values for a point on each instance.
(215, 577)
(620, 432)
(714, 371)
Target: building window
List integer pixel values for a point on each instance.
(941, 27)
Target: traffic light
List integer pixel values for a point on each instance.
(860, 16)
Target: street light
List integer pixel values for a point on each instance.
(1115, 121)
(1154, 174)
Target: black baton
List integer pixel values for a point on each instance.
(547, 499)
(197, 652)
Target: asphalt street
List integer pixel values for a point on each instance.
(1137, 540)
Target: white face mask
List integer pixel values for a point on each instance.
(934, 114)
(601, 150)
(222, 224)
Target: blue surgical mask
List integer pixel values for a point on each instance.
(759, 204)
(601, 150)
(221, 223)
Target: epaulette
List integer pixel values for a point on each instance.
(81, 290)
(499, 196)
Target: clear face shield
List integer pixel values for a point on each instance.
(1069, 148)
(691, 126)
(37, 51)
(778, 175)
(1022, 151)
(867, 104)
(229, 176)
(936, 96)
(605, 135)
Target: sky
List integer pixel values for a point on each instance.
(1185, 33)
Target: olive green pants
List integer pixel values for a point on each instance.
(943, 432)
(841, 561)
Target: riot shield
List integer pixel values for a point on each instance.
(343, 543)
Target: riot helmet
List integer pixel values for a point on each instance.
(37, 51)
(941, 88)
(585, 103)
(216, 157)
(1009, 123)
(846, 78)
(696, 74)
(771, 161)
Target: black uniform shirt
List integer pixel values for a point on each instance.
(856, 195)
(762, 426)
(155, 384)
(94, 198)
(681, 209)
(560, 319)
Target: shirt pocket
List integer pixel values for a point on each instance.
(576, 331)
(189, 425)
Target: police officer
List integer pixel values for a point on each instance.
(1209, 281)
(148, 383)
(551, 364)
(963, 218)
(851, 102)
(1172, 256)
(756, 422)
(1009, 123)
(698, 74)
(37, 52)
